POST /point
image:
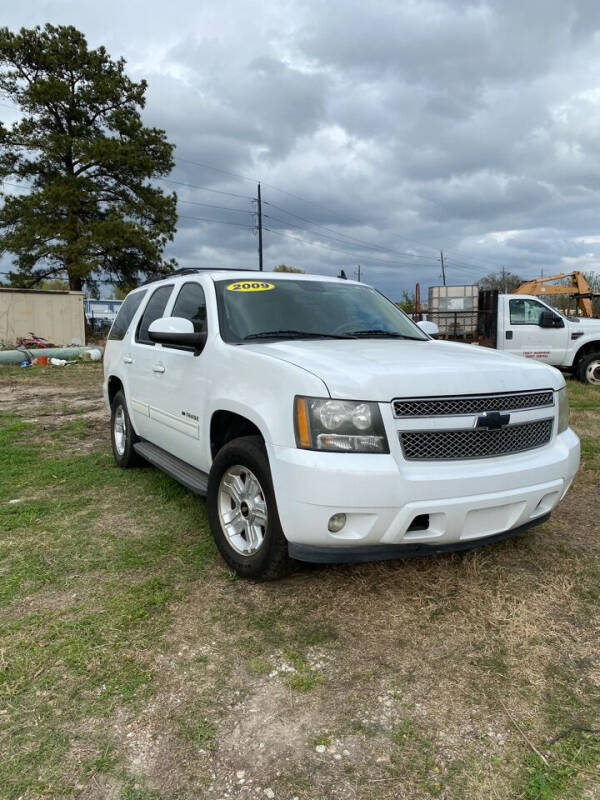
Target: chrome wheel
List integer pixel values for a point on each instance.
(592, 373)
(120, 430)
(242, 510)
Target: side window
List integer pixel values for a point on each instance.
(126, 313)
(525, 312)
(154, 309)
(191, 304)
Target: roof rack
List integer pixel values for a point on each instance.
(191, 271)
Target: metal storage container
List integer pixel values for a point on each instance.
(454, 310)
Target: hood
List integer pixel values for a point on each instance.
(379, 370)
(586, 324)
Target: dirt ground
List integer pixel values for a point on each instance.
(445, 677)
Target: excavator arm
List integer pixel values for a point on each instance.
(579, 287)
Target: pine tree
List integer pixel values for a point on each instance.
(81, 151)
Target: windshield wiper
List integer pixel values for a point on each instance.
(291, 334)
(384, 334)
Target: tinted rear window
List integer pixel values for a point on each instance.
(126, 313)
(191, 304)
(154, 310)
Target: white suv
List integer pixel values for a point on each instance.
(323, 425)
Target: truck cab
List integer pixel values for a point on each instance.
(526, 326)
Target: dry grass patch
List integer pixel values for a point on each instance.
(135, 666)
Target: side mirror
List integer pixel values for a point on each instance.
(550, 320)
(176, 332)
(430, 328)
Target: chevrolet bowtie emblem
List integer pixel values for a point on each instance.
(492, 420)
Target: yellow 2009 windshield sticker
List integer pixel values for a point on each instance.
(250, 286)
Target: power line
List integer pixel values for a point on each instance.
(468, 267)
(365, 245)
(16, 185)
(308, 244)
(179, 200)
(336, 249)
(298, 216)
(217, 169)
(291, 194)
(316, 203)
(210, 205)
(205, 188)
(338, 236)
(344, 235)
(217, 221)
(469, 264)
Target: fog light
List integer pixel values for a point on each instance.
(336, 523)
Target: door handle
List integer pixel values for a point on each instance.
(158, 368)
(127, 360)
(509, 334)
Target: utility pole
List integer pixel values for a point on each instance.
(443, 267)
(359, 273)
(504, 279)
(260, 245)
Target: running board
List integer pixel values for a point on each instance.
(193, 479)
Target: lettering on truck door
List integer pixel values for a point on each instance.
(525, 336)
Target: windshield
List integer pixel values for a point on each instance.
(255, 309)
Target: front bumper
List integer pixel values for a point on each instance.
(383, 552)
(463, 502)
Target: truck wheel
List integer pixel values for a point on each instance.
(588, 369)
(122, 435)
(242, 511)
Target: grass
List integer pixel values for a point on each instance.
(84, 600)
(573, 757)
(134, 665)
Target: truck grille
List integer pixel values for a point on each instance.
(470, 404)
(475, 442)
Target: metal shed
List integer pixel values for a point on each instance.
(56, 315)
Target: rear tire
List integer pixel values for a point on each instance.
(242, 511)
(122, 435)
(588, 369)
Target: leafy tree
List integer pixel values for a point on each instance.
(120, 292)
(593, 278)
(503, 281)
(407, 302)
(55, 284)
(287, 268)
(82, 151)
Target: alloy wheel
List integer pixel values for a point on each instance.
(592, 372)
(120, 430)
(242, 510)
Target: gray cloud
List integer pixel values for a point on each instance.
(401, 127)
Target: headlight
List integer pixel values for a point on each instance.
(563, 409)
(340, 426)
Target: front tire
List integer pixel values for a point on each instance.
(122, 435)
(588, 369)
(242, 511)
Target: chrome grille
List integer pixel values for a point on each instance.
(470, 404)
(475, 442)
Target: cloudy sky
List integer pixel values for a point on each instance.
(382, 131)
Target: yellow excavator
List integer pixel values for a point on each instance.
(578, 287)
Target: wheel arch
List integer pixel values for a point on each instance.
(585, 350)
(113, 385)
(226, 425)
